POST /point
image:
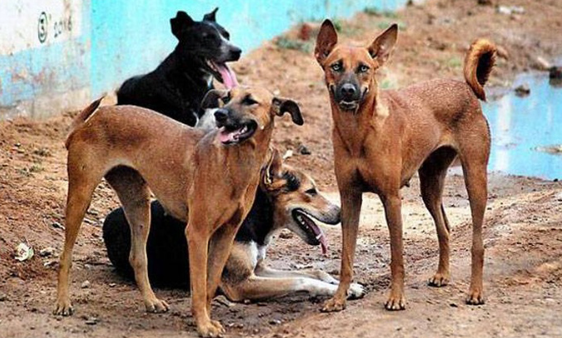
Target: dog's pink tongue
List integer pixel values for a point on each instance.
(228, 76)
(226, 136)
(324, 244)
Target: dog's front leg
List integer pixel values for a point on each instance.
(392, 209)
(219, 251)
(351, 200)
(197, 234)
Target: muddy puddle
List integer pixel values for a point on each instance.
(527, 130)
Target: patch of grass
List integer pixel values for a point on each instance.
(35, 168)
(386, 84)
(454, 62)
(376, 12)
(284, 42)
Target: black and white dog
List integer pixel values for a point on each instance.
(287, 198)
(177, 87)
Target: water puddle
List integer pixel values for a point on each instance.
(527, 131)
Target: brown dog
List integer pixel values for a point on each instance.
(208, 180)
(381, 138)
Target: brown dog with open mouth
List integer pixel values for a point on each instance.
(207, 180)
(382, 138)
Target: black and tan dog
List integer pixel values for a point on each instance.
(207, 180)
(177, 86)
(286, 199)
(381, 138)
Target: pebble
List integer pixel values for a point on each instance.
(522, 90)
(49, 251)
(2, 297)
(86, 284)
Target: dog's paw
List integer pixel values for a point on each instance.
(211, 328)
(475, 297)
(156, 305)
(334, 304)
(63, 308)
(438, 280)
(355, 291)
(395, 302)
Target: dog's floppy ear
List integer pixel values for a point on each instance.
(212, 98)
(273, 169)
(180, 22)
(211, 16)
(384, 43)
(325, 42)
(281, 106)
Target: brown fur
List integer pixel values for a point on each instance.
(383, 139)
(196, 178)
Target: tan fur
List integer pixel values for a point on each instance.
(196, 178)
(478, 65)
(390, 136)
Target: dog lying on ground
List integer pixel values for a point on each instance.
(381, 138)
(207, 180)
(177, 87)
(286, 199)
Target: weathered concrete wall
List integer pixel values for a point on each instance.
(56, 55)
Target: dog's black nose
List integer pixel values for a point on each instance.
(235, 52)
(221, 115)
(348, 91)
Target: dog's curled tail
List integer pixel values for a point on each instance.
(81, 118)
(478, 64)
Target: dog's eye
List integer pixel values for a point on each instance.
(248, 101)
(226, 99)
(336, 67)
(363, 69)
(312, 192)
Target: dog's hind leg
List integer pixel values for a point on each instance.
(81, 185)
(474, 154)
(432, 179)
(134, 195)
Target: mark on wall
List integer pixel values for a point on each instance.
(30, 23)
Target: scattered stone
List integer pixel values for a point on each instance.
(3, 297)
(303, 150)
(111, 285)
(92, 321)
(85, 285)
(286, 235)
(24, 252)
(275, 322)
(542, 64)
(453, 305)
(46, 252)
(510, 10)
(554, 149)
(288, 153)
(555, 73)
(57, 225)
(485, 2)
(522, 90)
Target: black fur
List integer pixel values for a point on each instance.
(168, 262)
(177, 86)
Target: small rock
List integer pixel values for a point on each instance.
(485, 2)
(522, 90)
(111, 285)
(303, 150)
(57, 225)
(85, 285)
(92, 321)
(286, 235)
(555, 73)
(46, 252)
(542, 64)
(509, 10)
(275, 322)
(24, 252)
(2, 297)
(453, 305)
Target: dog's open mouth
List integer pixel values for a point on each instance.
(237, 133)
(314, 234)
(222, 72)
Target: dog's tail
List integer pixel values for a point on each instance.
(478, 64)
(81, 118)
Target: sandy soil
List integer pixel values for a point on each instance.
(523, 232)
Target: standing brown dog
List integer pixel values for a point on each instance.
(381, 138)
(208, 180)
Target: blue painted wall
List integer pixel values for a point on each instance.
(120, 39)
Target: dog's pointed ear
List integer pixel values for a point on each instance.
(281, 106)
(384, 43)
(213, 98)
(180, 22)
(211, 16)
(273, 168)
(325, 42)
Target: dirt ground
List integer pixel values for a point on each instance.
(523, 230)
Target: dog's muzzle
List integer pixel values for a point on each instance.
(234, 130)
